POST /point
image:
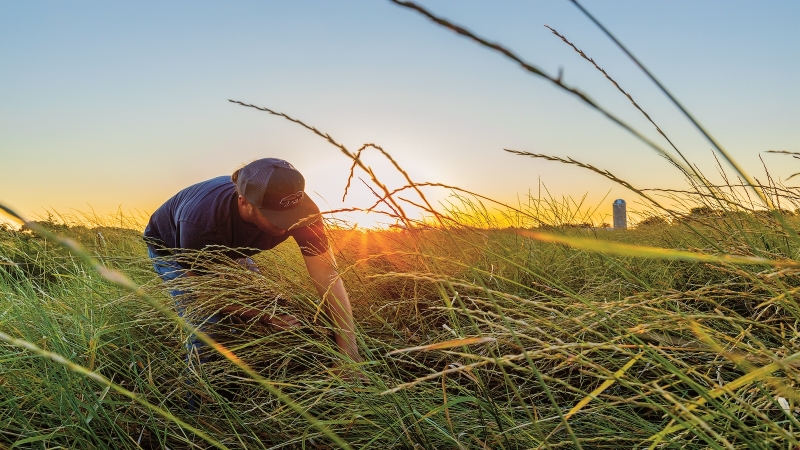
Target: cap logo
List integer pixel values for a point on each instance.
(291, 199)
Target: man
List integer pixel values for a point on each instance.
(258, 207)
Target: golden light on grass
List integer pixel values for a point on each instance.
(641, 251)
(553, 334)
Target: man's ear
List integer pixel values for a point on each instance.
(244, 205)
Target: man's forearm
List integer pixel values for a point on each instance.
(339, 310)
(242, 311)
(331, 289)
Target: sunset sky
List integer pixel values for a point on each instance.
(108, 106)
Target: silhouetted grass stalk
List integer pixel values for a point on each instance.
(550, 334)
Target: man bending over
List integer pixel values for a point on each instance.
(257, 208)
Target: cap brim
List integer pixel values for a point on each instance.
(303, 215)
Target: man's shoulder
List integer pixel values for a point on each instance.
(201, 199)
(200, 211)
(311, 238)
(223, 181)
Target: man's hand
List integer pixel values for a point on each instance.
(281, 322)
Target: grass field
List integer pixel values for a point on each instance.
(683, 332)
(542, 344)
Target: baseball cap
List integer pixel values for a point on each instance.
(276, 188)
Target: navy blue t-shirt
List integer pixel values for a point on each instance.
(206, 216)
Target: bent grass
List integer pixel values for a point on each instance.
(684, 333)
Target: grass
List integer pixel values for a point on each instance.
(580, 348)
(680, 333)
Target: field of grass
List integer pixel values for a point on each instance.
(683, 332)
(545, 344)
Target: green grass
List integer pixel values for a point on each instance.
(562, 321)
(681, 333)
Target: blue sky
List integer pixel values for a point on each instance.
(112, 105)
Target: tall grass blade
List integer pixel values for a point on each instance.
(603, 386)
(536, 71)
(752, 184)
(443, 345)
(651, 252)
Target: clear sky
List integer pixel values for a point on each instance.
(118, 105)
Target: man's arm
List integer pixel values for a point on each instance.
(322, 270)
(247, 313)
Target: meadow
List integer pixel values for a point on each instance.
(485, 326)
(473, 337)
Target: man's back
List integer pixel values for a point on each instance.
(206, 214)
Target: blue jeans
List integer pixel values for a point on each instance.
(170, 270)
(196, 349)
